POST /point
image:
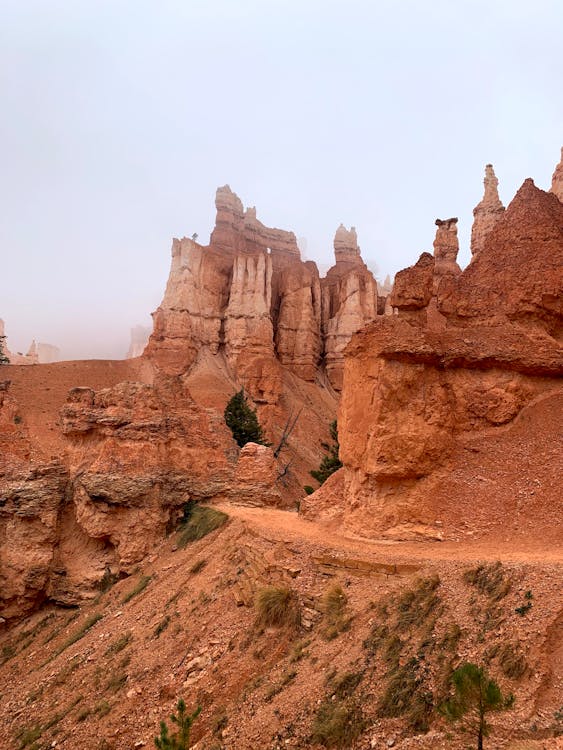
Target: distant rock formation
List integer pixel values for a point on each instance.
(557, 180)
(36, 354)
(486, 213)
(18, 358)
(139, 338)
(48, 353)
(249, 295)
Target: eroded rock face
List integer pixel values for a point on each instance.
(414, 391)
(349, 301)
(250, 294)
(486, 213)
(135, 454)
(256, 476)
(446, 248)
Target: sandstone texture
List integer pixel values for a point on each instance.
(486, 213)
(103, 456)
(86, 495)
(349, 301)
(249, 296)
(468, 360)
(256, 476)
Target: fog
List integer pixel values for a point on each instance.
(120, 119)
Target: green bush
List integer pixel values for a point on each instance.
(331, 462)
(242, 421)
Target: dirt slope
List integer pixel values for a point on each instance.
(192, 632)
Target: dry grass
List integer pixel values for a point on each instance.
(334, 604)
(122, 642)
(277, 606)
(338, 723)
(489, 580)
(90, 622)
(417, 604)
(200, 521)
(142, 584)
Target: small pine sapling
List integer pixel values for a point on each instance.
(181, 739)
(331, 462)
(475, 695)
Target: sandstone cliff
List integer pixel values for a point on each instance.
(103, 456)
(250, 296)
(87, 489)
(470, 359)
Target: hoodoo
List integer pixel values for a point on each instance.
(470, 367)
(486, 213)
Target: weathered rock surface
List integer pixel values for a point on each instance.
(415, 391)
(256, 476)
(250, 295)
(134, 454)
(349, 301)
(486, 213)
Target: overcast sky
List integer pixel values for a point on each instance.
(120, 118)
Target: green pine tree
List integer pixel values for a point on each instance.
(181, 739)
(475, 695)
(331, 462)
(242, 421)
(4, 359)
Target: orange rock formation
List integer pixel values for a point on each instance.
(469, 360)
(250, 295)
(486, 213)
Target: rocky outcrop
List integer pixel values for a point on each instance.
(349, 301)
(256, 476)
(557, 180)
(249, 295)
(416, 392)
(486, 213)
(446, 248)
(135, 454)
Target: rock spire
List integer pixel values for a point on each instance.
(487, 212)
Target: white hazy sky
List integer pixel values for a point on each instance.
(119, 119)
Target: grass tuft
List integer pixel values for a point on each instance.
(142, 584)
(489, 580)
(277, 606)
(200, 521)
(122, 642)
(90, 622)
(338, 723)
